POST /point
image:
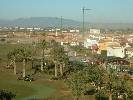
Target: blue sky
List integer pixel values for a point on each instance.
(102, 10)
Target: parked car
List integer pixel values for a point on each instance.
(28, 78)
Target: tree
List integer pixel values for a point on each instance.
(116, 87)
(105, 82)
(53, 55)
(77, 78)
(44, 46)
(12, 55)
(58, 56)
(76, 83)
(110, 83)
(94, 76)
(24, 55)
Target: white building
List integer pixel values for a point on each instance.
(30, 28)
(95, 31)
(22, 28)
(74, 31)
(129, 52)
(74, 43)
(3, 36)
(89, 43)
(37, 28)
(116, 52)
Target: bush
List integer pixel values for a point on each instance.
(54, 78)
(6, 95)
(89, 91)
(101, 96)
(2, 40)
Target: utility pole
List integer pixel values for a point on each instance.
(61, 24)
(83, 11)
(56, 27)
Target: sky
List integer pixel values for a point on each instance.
(113, 11)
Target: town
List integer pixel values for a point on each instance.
(66, 50)
(110, 49)
(115, 43)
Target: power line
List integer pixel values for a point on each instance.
(83, 11)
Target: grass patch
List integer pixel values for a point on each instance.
(25, 90)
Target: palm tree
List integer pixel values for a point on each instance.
(56, 71)
(44, 45)
(53, 55)
(12, 56)
(61, 69)
(24, 71)
(58, 56)
(24, 54)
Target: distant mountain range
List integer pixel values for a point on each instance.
(56, 22)
(39, 22)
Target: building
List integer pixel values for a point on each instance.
(95, 31)
(89, 43)
(74, 31)
(129, 52)
(74, 43)
(108, 42)
(116, 52)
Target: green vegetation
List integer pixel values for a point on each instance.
(6, 95)
(72, 79)
(25, 90)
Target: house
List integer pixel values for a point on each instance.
(129, 52)
(130, 38)
(74, 31)
(116, 52)
(30, 28)
(90, 42)
(95, 31)
(3, 35)
(105, 43)
(74, 43)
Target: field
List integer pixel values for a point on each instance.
(42, 87)
(25, 90)
(39, 89)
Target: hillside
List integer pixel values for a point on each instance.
(56, 22)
